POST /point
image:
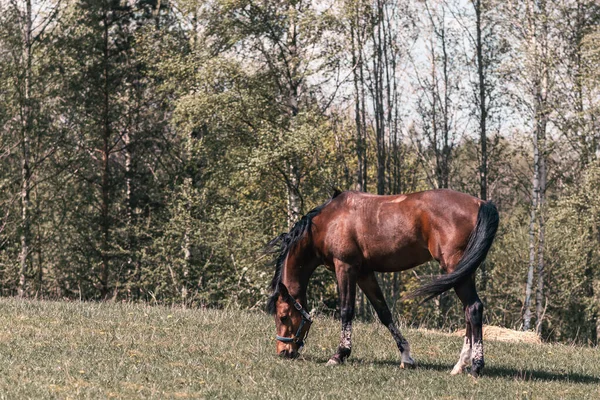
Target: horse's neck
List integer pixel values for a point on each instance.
(293, 282)
(295, 277)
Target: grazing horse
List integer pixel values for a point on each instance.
(357, 234)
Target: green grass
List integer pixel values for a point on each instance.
(92, 350)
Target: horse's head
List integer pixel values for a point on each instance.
(292, 323)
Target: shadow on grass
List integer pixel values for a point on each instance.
(528, 375)
(351, 361)
(520, 374)
(489, 371)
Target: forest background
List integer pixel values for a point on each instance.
(149, 149)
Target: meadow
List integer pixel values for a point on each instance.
(72, 350)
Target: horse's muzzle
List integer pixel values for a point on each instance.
(288, 354)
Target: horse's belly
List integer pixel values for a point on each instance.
(399, 261)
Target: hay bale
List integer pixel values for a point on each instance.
(499, 334)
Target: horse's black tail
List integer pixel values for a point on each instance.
(477, 248)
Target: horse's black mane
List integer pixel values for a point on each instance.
(283, 243)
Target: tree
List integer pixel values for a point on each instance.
(27, 26)
(99, 40)
(535, 33)
(286, 48)
(438, 102)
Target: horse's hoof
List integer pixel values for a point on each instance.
(408, 364)
(457, 371)
(476, 369)
(333, 361)
(476, 372)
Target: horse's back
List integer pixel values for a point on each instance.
(395, 232)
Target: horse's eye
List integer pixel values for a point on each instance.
(284, 319)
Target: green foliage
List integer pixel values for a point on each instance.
(167, 140)
(573, 258)
(507, 263)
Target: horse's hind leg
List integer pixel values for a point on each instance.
(464, 360)
(368, 284)
(346, 280)
(474, 335)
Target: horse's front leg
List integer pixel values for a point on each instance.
(370, 287)
(346, 279)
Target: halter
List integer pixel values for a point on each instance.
(299, 340)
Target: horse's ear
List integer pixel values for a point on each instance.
(283, 292)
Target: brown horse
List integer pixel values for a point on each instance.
(357, 234)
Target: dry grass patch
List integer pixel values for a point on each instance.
(499, 334)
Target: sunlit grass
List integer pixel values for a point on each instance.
(99, 350)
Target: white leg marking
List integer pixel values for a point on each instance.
(345, 343)
(346, 336)
(477, 351)
(464, 359)
(406, 358)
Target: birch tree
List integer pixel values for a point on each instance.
(438, 103)
(537, 80)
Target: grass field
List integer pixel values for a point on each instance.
(91, 350)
